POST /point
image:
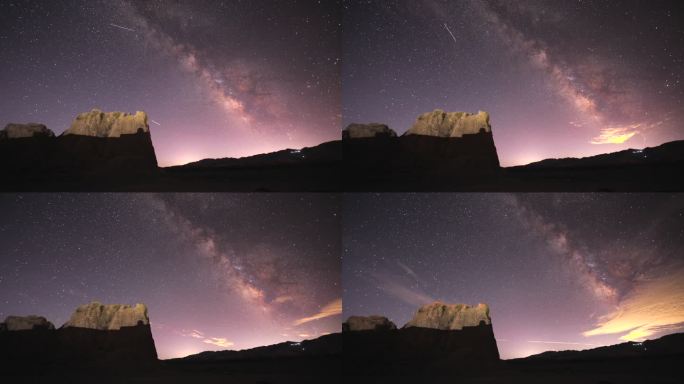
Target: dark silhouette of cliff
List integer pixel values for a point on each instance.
(416, 350)
(77, 348)
(416, 162)
(75, 162)
(383, 163)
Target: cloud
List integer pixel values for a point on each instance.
(331, 309)
(409, 271)
(195, 334)
(394, 287)
(218, 341)
(656, 305)
(616, 135)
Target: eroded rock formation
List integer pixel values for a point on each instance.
(97, 335)
(367, 323)
(439, 123)
(108, 124)
(440, 338)
(365, 131)
(438, 315)
(17, 131)
(108, 317)
(24, 323)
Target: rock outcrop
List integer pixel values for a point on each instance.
(108, 124)
(108, 317)
(442, 151)
(25, 323)
(450, 124)
(18, 131)
(367, 323)
(440, 338)
(104, 149)
(450, 316)
(108, 337)
(365, 131)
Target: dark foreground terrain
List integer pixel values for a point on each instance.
(655, 361)
(113, 361)
(399, 356)
(404, 163)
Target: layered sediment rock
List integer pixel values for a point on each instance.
(365, 131)
(438, 315)
(97, 335)
(108, 124)
(24, 323)
(108, 317)
(441, 337)
(439, 123)
(18, 131)
(367, 323)
(107, 148)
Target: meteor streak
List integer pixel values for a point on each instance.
(452, 35)
(120, 27)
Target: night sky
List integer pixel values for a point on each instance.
(559, 78)
(559, 271)
(218, 78)
(216, 271)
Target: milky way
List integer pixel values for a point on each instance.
(220, 78)
(559, 78)
(560, 271)
(216, 271)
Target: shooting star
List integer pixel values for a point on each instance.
(452, 35)
(120, 27)
(154, 122)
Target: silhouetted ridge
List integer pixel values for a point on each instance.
(104, 336)
(439, 338)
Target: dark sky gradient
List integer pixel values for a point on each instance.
(213, 269)
(559, 271)
(559, 78)
(221, 78)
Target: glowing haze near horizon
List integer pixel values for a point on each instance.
(559, 78)
(218, 78)
(216, 271)
(559, 271)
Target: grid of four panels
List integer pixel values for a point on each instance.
(341, 191)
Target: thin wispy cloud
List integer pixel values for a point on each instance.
(333, 308)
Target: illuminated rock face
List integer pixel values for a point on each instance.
(97, 335)
(366, 131)
(18, 131)
(367, 323)
(450, 316)
(450, 124)
(25, 323)
(108, 124)
(108, 317)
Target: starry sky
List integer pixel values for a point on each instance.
(216, 271)
(559, 271)
(217, 78)
(559, 78)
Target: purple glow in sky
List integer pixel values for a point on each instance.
(559, 271)
(216, 271)
(219, 78)
(559, 78)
